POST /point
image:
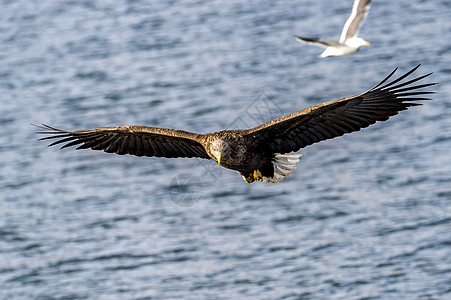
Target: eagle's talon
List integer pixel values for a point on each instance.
(249, 179)
(257, 175)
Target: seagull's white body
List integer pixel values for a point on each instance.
(349, 41)
(347, 47)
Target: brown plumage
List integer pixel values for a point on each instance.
(259, 153)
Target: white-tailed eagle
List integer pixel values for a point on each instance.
(261, 153)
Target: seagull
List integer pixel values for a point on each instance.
(349, 41)
(262, 153)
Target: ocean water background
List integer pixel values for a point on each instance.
(365, 216)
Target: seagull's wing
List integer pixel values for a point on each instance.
(316, 42)
(335, 118)
(134, 140)
(358, 15)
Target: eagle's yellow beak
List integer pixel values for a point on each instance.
(218, 155)
(367, 43)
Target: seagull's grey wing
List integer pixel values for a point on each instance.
(315, 41)
(358, 15)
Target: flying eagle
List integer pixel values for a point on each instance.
(260, 153)
(349, 41)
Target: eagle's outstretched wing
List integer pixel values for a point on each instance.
(134, 140)
(335, 118)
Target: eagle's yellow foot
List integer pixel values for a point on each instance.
(258, 175)
(249, 179)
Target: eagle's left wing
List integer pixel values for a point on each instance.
(335, 118)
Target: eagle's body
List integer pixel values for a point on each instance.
(234, 149)
(260, 153)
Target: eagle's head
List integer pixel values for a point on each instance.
(226, 152)
(220, 150)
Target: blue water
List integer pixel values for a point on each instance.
(365, 216)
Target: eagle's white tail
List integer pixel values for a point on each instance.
(283, 165)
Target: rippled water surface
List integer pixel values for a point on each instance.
(365, 216)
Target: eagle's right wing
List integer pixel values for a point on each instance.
(134, 140)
